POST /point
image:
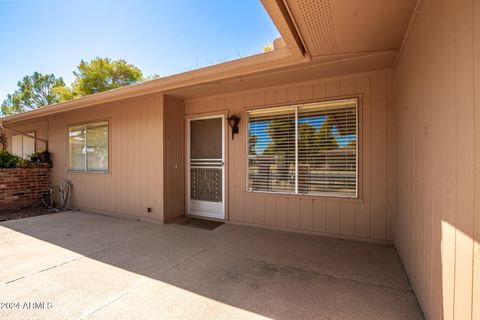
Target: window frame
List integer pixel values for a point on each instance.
(109, 150)
(32, 133)
(296, 106)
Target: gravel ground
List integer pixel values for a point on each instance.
(24, 213)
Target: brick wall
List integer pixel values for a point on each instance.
(23, 187)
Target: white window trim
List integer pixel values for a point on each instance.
(295, 193)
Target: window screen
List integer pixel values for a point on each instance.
(88, 147)
(304, 149)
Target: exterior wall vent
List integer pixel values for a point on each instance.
(315, 21)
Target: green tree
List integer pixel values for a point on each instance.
(102, 74)
(35, 91)
(282, 145)
(325, 138)
(253, 145)
(151, 77)
(307, 142)
(310, 140)
(280, 133)
(64, 93)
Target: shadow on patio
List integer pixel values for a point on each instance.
(93, 266)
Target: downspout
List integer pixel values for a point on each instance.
(24, 134)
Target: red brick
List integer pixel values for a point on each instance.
(24, 187)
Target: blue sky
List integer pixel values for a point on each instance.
(163, 37)
(259, 129)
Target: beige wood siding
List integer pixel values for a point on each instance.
(174, 151)
(135, 181)
(437, 90)
(40, 127)
(366, 217)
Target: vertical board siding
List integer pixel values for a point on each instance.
(259, 210)
(362, 218)
(379, 156)
(282, 213)
(248, 213)
(438, 162)
(347, 218)
(363, 210)
(391, 160)
(136, 158)
(139, 142)
(174, 182)
(293, 217)
(306, 214)
(40, 127)
(318, 215)
(333, 217)
(465, 181)
(476, 218)
(270, 212)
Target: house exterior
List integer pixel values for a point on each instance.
(363, 123)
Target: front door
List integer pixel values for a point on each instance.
(205, 178)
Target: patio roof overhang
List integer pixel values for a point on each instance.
(281, 57)
(326, 28)
(311, 52)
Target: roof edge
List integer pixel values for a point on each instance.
(282, 19)
(244, 66)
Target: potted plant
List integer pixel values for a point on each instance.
(33, 157)
(43, 156)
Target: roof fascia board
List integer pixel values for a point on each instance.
(281, 57)
(280, 15)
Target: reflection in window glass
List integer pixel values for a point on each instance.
(304, 149)
(327, 153)
(76, 149)
(88, 147)
(23, 146)
(271, 158)
(97, 147)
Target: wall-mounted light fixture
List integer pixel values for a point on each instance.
(233, 123)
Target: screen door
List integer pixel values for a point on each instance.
(206, 167)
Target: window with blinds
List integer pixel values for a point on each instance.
(304, 149)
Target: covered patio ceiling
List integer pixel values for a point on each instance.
(337, 37)
(322, 39)
(350, 26)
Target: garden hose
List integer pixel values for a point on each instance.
(65, 191)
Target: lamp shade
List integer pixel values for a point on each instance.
(233, 121)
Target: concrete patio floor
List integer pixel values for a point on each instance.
(87, 266)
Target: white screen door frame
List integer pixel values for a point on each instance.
(198, 208)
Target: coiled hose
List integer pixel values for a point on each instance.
(65, 192)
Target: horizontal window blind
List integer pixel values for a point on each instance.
(305, 149)
(271, 156)
(327, 156)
